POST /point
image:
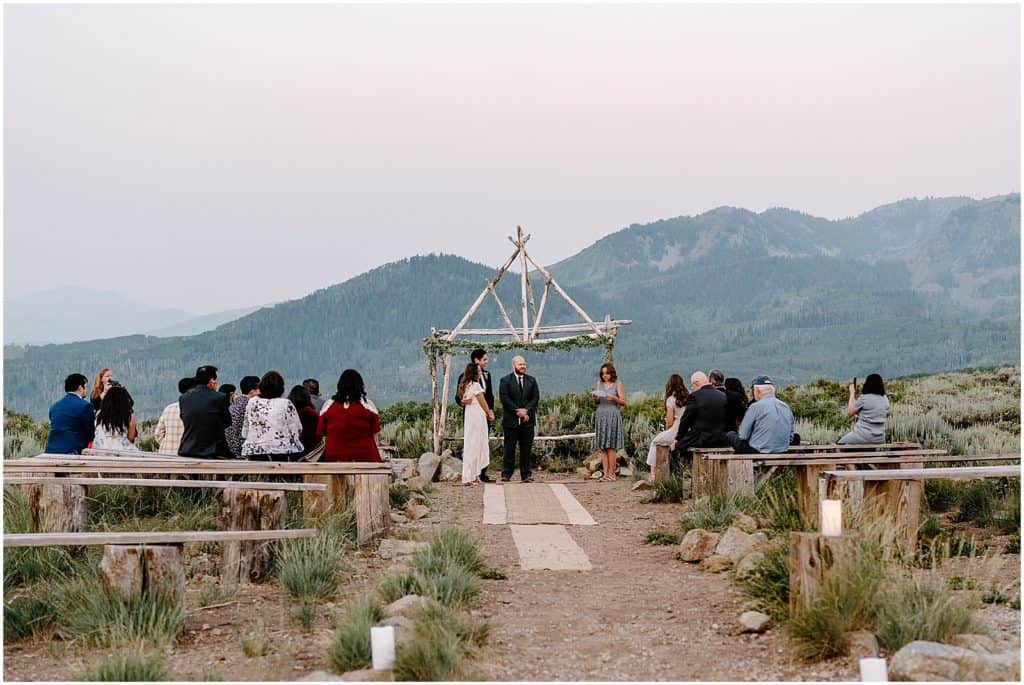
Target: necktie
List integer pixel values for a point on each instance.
(520, 382)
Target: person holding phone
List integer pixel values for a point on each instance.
(608, 434)
(871, 410)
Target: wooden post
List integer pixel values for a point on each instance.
(316, 505)
(250, 561)
(739, 476)
(813, 560)
(524, 267)
(709, 475)
(373, 506)
(661, 461)
(57, 508)
(807, 492)
(446, 366)
(129, 570)
(435, 414)
(895, 505)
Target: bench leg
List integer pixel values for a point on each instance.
(250, 561)
(373, 506)
(316, 505)
(56, 508)
(129, 570)
(661, 462)
(807, 493)
(894, 508)
(813, 559)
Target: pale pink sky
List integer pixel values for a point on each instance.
(314, 143)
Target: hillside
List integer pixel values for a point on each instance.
(915, 286)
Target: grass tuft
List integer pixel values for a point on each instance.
(398, 585)
(29, 615)
(662, 537)
(666, 490)
(459, 548)
(310, 568)
(305, 615)
(127, 668)
(915, 611)
(716, 511)
(492, 574)
(768, 583)
(350, 648)
(102, 620)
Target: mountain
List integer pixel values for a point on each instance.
(200, 324)
(66, 314)
(916, 286)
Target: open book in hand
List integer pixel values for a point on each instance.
(600, 393)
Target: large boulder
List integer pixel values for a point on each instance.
(735, 544)
(428, 465)
(697, 544)
(754, 622)
(921, 660)
(748, 564)
(406, 606)
(975, 642)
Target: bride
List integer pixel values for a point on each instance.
(476, 451)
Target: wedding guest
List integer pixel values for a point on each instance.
(350, 422)
(100, 384)
(313, 385)
(72, 419)
(228, 390)
(204, 413)
(308, 416)
(271, 430)
(115, 422)
(767, 427)
(871, 410)
(736, 403)
(701, 425)
(676, 395)
(249, 387)
(608, 434)
(169, 427)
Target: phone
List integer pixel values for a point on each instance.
(854, 381)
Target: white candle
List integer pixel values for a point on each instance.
(382, 642)
(873, 671)
(831, 517)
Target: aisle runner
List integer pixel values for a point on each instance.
(548, 548)
(531, 503)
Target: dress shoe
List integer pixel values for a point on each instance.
(484, 478)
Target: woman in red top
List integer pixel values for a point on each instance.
(350, 422)
(308, 417)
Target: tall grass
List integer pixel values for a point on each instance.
(128, 668)
(350, 647)
(101, 620)
(768, 583)
(716, 511)
(668, 489)
(311, 568)
(27, 565)
(917, 611)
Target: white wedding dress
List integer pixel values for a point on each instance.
(476, 451)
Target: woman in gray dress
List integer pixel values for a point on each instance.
(608, 396)
(870, 410)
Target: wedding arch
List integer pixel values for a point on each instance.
(532, 336)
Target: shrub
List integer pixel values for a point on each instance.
(25, 565)
(768, 584)
(977, 503)
(399, 494)
(127, 668)
(102, 620)
(398, 585)
(305, 615)
(310, 568)
(667, 489)
(962, 583)
(941, 495)
(350, 648)
(777, 503)
(435, 618)
(255, 643)
(29, 615)
(458, 548)
(716, 511)
(662, 537)
(1013, 544)
(914, 611)
(448, 583)
(929, 528)
(435, 658)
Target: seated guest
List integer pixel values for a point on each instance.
(313, 385)
(349, 422)
(115, 422)
(308, 416)
(250, 387)
(767, 427)
(169, 427)
(870, 410)
(204, 413)
(737, 403)
(701, 425)
(271, 429)
(676, 395)
(228, 390)
(72, 419)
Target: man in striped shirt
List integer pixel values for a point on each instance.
(169, 427)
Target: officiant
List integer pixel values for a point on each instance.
(608, 395)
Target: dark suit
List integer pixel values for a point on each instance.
(72, 425)
(518, 432)
(703, 418)
(488, 397)
(735, 408)
(205, 414)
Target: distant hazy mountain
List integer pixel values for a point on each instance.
(67, 314)
(199, 324)
(915, 286)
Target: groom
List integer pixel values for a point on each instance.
(519, 398)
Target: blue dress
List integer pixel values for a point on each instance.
(608, 433)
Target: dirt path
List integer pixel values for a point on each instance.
(639, 614)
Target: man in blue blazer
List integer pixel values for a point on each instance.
(72, 419)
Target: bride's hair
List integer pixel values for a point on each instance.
(471, 373)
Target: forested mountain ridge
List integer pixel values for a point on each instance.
(915, 286)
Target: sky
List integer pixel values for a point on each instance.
(213, 157)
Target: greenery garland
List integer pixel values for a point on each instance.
(436, 346)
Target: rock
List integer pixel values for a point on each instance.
(625, 472)
(761, 538)
(697, 544)
(216, 631)
(446, 454)
(368, 675)
(402, 626)
(748, 524)
(403, 468)
(320, 677)
(621, 457)
(583, 472)
(594, 462)
(754, 622)
(921, 660)
(735, 544)
(597, 474)
(642, 485)
(747, 564)
(451, 468)
(406, 606)
(392, 549)
(398, 518)
(716, 563)
(861, 644)
(428, 465)
(976, 643)
(415, 511)
(417, 483)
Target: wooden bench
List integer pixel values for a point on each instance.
(367, 484)
(893, 496)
